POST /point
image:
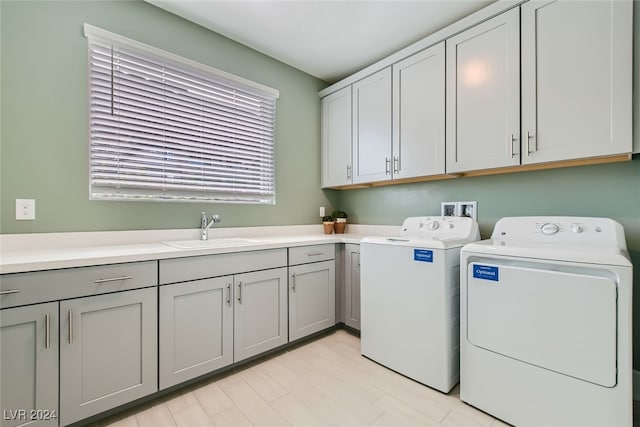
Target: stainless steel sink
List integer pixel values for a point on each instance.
(212, 243)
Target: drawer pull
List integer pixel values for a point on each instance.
(315, 253)
(112, 279)
(47, 331)
(11, 291)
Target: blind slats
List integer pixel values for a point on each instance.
(164, 130)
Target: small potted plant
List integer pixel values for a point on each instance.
(327, 224)
(340, 218)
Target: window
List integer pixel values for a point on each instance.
(164, 127)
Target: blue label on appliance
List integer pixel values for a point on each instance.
(485, 272)
(423, 255)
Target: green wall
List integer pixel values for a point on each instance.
(43, 145)
(611, 191)
(44, 122)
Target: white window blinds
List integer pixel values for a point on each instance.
(167, 128)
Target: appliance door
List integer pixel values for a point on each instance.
(553, 316)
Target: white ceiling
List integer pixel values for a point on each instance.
(325, 38)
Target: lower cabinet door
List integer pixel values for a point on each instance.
(196, 329)
(311, 298)
(260, 312)
(352, 286)
(29, 365)
(108, 351)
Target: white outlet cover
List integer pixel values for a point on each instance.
(25, 209)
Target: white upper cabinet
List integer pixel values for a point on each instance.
(372, 128)
(336, 138)
(576, 79)
(483, 95)
(418, 114)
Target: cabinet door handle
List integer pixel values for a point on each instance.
(112, 279)
(396, 164)
(293, 282)
(10, 291)
(70, 326)
(47, 331)
(531, 136)
(387, 162)
(239, 292)
(512, 144)
(348, 172)
(229, 294)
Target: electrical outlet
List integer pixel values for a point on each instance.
(322, 211)
(25, 209)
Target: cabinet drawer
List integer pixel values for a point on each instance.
(41, 286)
(202, 267)
(313, 253)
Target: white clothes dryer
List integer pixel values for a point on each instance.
(546, 323)
(410, 298)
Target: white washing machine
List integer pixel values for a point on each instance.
(546, 323)
(410, 299)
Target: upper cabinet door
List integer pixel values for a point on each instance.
(576, 79)
(372, 128)
(336, 138)
(418, 114)
(483, 95)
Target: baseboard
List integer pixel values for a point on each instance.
(636, 385)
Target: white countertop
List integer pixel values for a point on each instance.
(45, 251)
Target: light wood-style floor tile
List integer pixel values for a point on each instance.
(294, 384)
(458, 419)
(266, 386)
(253, 406)
(296, 413)
(212, 399)
(156, 416)
(343, 393)
(181, 401)
(335, 415)
(326, 382)
(232, 417)
(191, 416)
(404, 413)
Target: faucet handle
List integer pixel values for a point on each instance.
(216, 218)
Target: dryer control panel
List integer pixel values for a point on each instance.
(584, 232)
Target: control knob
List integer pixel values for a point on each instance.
(549, 228)
(434, 225)
(576, 228)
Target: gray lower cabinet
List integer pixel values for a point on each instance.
(196, 328)
(108, 351)
(219, 309)
(352, 286)
(211, 323)
(29, 365)
(260, 312)
(311, 297)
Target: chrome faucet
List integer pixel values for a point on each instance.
(204, 224)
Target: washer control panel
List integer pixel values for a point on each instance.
(568, 231)
(439, 228)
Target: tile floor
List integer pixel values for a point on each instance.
(323, 383)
